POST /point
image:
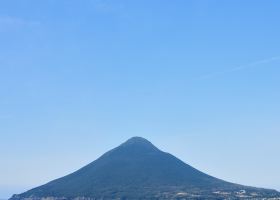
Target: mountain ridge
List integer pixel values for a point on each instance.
(137, 169)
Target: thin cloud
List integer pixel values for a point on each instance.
(8, 22)
(107, 6)
(5, 116)
(239, 68)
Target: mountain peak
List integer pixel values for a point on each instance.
(138, 170)
(137, 139)
(139, 142)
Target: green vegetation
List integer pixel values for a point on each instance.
(138, 170)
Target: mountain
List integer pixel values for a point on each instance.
(138, 170)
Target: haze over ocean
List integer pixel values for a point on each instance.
(199, 79)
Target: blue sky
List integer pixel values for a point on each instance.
(199, 79)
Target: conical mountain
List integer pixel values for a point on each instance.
(138, 170)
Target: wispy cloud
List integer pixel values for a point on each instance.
(8, 22)
(107, 6)
(5, 116)
(238, 68)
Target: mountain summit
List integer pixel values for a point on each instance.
(139, 142)
(138, 170)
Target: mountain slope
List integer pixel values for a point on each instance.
(137, 169)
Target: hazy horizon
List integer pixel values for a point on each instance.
(199, 79)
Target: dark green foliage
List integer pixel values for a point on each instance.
(136, 170)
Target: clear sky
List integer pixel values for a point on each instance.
(199, 79)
